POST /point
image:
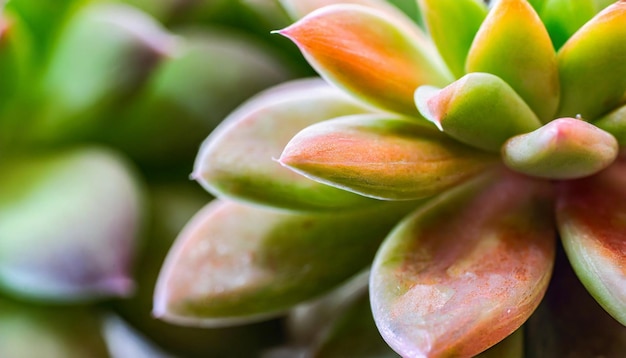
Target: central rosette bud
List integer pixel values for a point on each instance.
(483, 111)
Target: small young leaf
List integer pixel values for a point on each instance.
(513, 44)
(594, 58)
(565, 148)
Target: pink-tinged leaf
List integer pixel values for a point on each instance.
(593, 58)
(591, 215)
(615, 123)
(514, 45)
(467, 269)
(566, 148)
(452, 24)
(237, 159)
(69, 225)
(511, 347)
(479, 109)
(235, 263)
(370, 54)
(382, 156)
(570, 323)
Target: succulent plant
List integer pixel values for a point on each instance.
(455, 159)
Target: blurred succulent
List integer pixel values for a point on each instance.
(99, 104)
(453, 161)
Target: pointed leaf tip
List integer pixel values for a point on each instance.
(370, 54)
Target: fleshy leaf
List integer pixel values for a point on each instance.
(465, 270)
(382, 156)
(68, 225)
(235, 263)
(28, 330)
(370, 54)
(479, 109)
(104, 53)
(565, 148)
(614, 123)
(563, 18)
(570, 323)
(513, 44)
(593, 58)
(452, 25)
(236, 160)
(511, 347)
(591, 216)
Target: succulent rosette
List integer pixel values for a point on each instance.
(455, 159)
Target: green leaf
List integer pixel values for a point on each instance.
(68, 225)
(39, 331)
(565, 148)
(591, 216)
(382, 156)
(563, 18)
(452, 25)
(614, 123)
(370, 54)
(238, 159)
(479, 109)
(105, 52)
(513, 44)
(594, 59)
(467, 269)
(236, 263)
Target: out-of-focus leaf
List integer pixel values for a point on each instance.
(452, 24)
(511, 347)
(370, 54)
(209, 73)
(479, 109)
(591, 215)
(51, 332)
(382, 156)
(570, 323)
(593, 58)
(565, 148)
(467, 269)
(237, 160)
(105, 52)
(235, 263)
(513, 44)
(68, 225)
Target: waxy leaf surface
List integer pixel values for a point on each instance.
(235, 263)
(370, 54)
(452, 24)
(467, 269)
(591, 216)
(237, 159)
(513, 44)
(479, 109)
(592, 67)
(565, 148)
(382, 156)
(68, 225)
